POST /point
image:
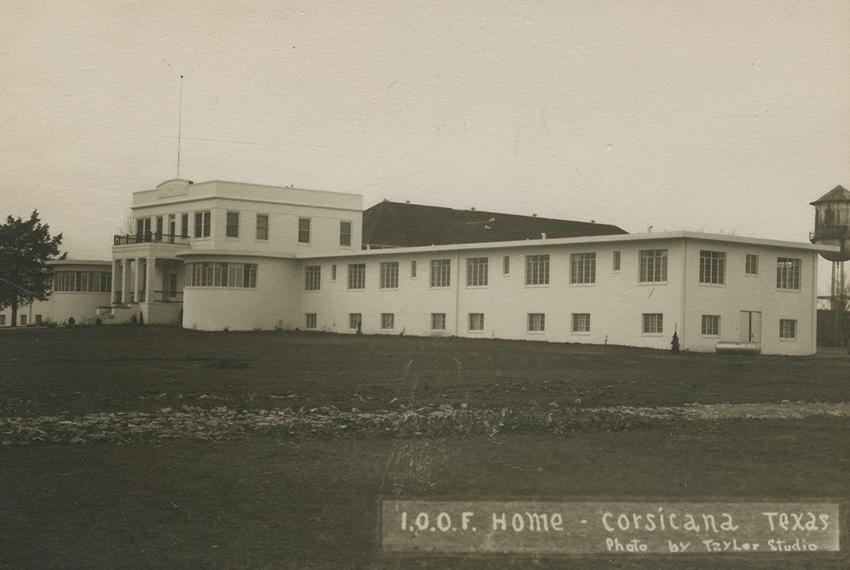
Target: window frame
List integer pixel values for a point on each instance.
(712, 268)
(342, 224)
(617, 261)
(355, 322)
(537, 270)
(311, 317)
(531, 323)
(438, 318)
(576, 320)
(469, 322)
(302, 232)
(388, 275)
(258, 227)
(387, 317)
(783, 265)
(203, 230)
(477, 272)
(580, 264)
(713, 328)
(228, 225)
(783, 324)
(312, 277)
(356, 271)
(747, 267)
(655, 320)
(442, 277)
(648, 259)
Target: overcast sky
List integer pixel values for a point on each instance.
(714, 116)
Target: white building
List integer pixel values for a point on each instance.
(218, 255)
(79, 288)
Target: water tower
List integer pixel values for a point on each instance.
(832, 227)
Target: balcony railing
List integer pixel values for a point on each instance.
(149, 237)
(167, 297)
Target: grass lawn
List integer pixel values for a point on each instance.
(284, 502)
(45, 371)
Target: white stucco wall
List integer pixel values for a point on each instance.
(616, 301)
(743, 292)
(272, 303)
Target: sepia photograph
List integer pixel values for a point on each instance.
(391, 284)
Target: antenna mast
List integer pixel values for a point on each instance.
(179, 126)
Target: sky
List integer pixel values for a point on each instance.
(700, 115)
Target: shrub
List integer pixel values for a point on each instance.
(98, 322)
(71, 321)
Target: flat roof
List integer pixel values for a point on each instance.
(616, 238)
(79, 262)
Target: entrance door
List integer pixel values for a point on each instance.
(172, 285)
(750, 326)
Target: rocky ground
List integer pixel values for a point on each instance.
(199, 423)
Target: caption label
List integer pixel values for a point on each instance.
(548, 527)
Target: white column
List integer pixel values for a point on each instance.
(150, 269)
(113, 295)
(137, 281)
(125, 281)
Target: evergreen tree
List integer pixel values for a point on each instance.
(25, 248)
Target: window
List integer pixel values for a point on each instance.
(345, 233)
(313, 277)
(2, 320)
(583, 268)
(82, 281)
(476, 321)
(387, 321)
(172, 225)
(787, 273)
(389, 275)
(752, 264)
(356, 275)
(202, 224)
(413, 269)
(506, 265)
(616, 261)
(788, 328)
(262, 226)
(712, 267)
(232, 225)
(536, 322)
(653, 323)
(23, 320)
(37, 319)
(476, 271)
(581, 322)
(333, 272)
(143, 227)
(441, 272)
(536, 269)
(653, 266)
(310, 321)
(355, 321)
(303, 230)
(231, 275)
(159, 227)
(184, 225)
(711, 325)
(438, 321)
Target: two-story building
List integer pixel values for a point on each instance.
(218, 255)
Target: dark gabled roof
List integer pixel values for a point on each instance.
(837, 194)
(396, 224)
